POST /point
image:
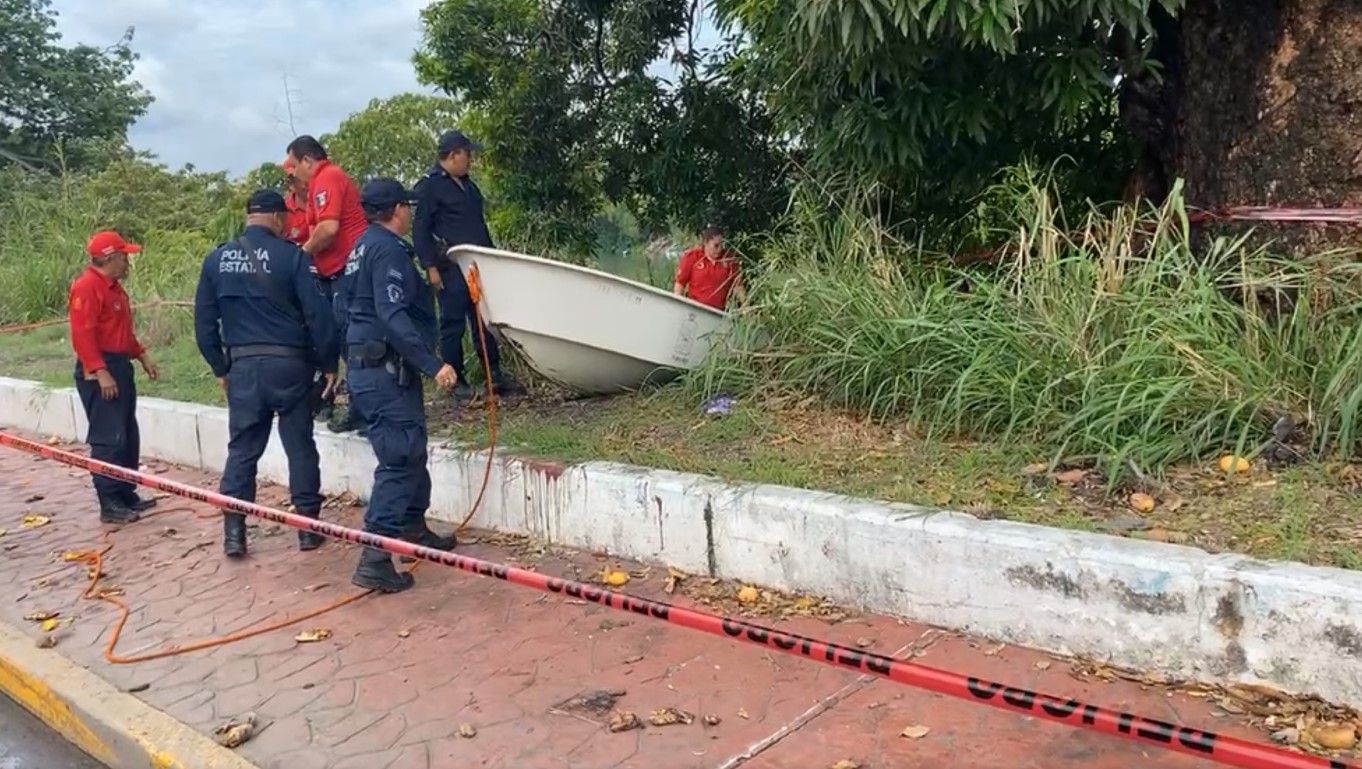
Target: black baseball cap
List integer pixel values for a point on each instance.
(265, 202)
(381, 194)
(452, 141)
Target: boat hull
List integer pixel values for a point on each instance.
(589, 331)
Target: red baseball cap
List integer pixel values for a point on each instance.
(108, 243)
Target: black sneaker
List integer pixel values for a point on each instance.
(113, 511)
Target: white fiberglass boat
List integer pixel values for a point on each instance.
(589, 331)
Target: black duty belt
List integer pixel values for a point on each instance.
(240, 352)
(355, 358)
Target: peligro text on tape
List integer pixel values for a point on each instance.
(1221, 749)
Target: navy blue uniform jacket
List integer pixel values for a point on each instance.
(233, 308)
(389, 300)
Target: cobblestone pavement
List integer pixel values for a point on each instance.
(400, 674)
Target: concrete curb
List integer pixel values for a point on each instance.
(1176, 610)
(113, 727)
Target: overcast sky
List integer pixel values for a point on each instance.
(217, 68)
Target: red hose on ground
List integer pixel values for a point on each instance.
(1147, 731)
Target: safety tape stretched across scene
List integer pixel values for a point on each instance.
(1229, 751)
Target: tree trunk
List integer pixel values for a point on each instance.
(1269, 111)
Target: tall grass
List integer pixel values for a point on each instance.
(45, 221)
(1108, 337)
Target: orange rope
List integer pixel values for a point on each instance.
(20, 327)
(94, 559)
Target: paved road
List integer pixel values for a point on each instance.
(26, 743)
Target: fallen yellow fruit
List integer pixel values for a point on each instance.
(617, 578)
(1141, 503)
(1232, 464)
(748, 594)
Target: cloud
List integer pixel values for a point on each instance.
(218, 68)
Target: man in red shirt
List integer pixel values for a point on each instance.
(336, 220)
(296, 227)
(708, 274)
(105, 346)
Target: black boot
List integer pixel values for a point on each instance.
(115, 511)
(310, 540)
(376, 572)
(505, 386)
(463, 394)
(234, 535)
(137, 504)
(420, 534)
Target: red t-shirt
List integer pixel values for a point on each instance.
(101, 320)
(706, 280)
(296, 228)
(333, 196)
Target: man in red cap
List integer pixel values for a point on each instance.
(105, 346)
(296, 227)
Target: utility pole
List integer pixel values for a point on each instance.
(288, 103)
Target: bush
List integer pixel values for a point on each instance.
(1108, 339)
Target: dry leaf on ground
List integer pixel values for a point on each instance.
(915, 731)
(41, 615)
(1334, 736)
(711, 720)
(674, 580)
(34, 521)
(669, 716)
(615, 578)
(235, 731)
(623, 721)
(467, 731)
(404, 633)
(45, 641)
(846, 763)
(1071, 477)
(312, 636)
(50, 624)
(748, 594)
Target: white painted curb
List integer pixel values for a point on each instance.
(1176, 610)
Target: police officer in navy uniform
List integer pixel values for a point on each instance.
(264, 328)
(390, 343)
(449, 212)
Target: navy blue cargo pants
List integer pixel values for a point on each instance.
(396, 419)
(113, 435)
(258, 390)
(457, 317)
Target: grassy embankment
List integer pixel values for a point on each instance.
(1101, 359)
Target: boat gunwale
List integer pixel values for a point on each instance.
(450, 252)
